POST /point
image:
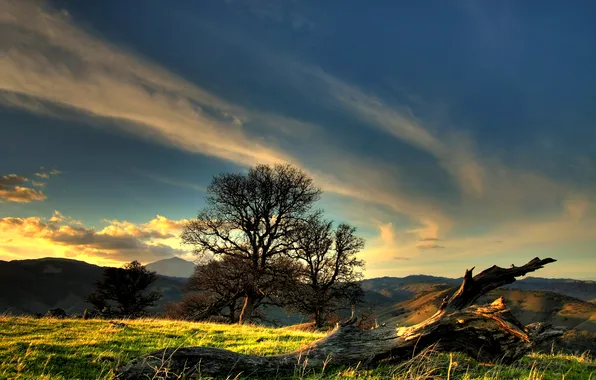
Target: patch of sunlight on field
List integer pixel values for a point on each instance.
(66, 349)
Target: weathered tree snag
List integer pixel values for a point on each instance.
(489, 279)
(488, 333)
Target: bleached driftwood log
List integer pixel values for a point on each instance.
(488, 333)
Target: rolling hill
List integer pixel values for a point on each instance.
(527, 306)
(402, 288)
(35, 286)
(411, 299)
(582, 289)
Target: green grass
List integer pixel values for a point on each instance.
(76, 349)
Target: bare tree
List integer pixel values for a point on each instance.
(250, 217)
(329, 276)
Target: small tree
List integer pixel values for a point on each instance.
(124, 288)
(250, 217)
(329, 278)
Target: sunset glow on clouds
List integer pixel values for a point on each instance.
(16, 188)
(440, 163)
(12, 191)
(62, 236)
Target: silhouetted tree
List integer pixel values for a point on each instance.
(251, 217)
(217, 288)
(125, 289)
(329, 277)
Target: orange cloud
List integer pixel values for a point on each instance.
(427, 231)
(387, 247)
(12, 191)
(117, 242)
(160, 227)
(386, 233)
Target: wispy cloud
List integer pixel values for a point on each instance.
(454, 151)
(430, 246)
(170, 181)
(42, 175)
(492, 191)
(51, 60)
(279, 12)
(401, 258)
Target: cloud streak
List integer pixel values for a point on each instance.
(430, 246)
(457, 159)
(50, 60)
(171, 181)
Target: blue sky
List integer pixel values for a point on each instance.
(451, 134)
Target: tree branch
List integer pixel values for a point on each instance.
(494, 277)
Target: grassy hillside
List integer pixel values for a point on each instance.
(527, 306)
(76, 349)
(35, 286)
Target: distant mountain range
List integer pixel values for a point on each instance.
(392, 289)
(173, 267)
(403, 288)
(35, 286)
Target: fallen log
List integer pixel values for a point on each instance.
(488, 333)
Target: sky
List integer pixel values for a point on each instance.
(450, 134)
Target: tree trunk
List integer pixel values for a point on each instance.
(488, 333)
(247, 309)
(318, 319)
